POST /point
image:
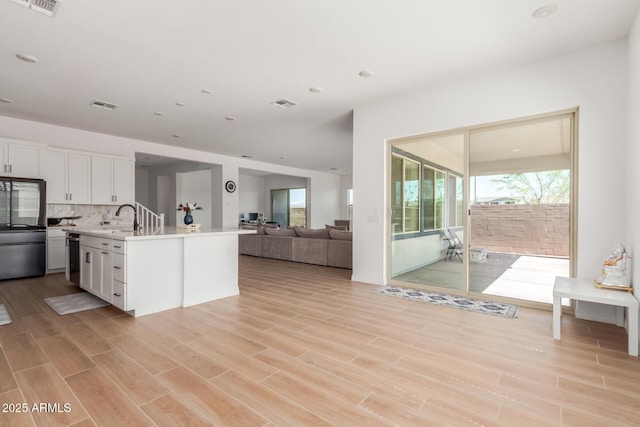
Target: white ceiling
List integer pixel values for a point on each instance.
(147, 55)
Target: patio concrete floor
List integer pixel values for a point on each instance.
(523, 277)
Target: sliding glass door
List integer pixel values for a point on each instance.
(427, 222)
(485, 210)
(289, 207)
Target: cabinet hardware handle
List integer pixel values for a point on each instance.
(118, 247)
(10, 168)
(105, 253)
(66, 196)
(104, 244)
(87, 257)
(117, 295)
(70, 196)
(117, 267)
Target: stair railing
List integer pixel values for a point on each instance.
(147, 219)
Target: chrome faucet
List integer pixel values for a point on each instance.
(135, 215)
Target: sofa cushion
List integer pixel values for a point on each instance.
(310, 251)
(285, 232)
(336, 227)
(321, 233)
(250, 244)
(339, 253)
(341, 235)
(278, 247)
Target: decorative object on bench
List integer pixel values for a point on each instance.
(614, 275)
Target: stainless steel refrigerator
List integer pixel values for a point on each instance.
(23, 228)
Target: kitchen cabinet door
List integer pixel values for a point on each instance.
(112, 181)
(21, 160)
(79, 178)
(68, 177)
(86, 268)
(123, 181)
(102, 181)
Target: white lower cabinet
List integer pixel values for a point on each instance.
(102, 269)
(56, 250)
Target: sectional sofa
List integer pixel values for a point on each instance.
(327, 246)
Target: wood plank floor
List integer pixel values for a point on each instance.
(304, 346)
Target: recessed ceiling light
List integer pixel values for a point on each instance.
(180, 104)
(158, 113)
(282, 157)
(315, 89)
(366, 73)
(246, 156)
(515, 150)
(230, 118)
(333, 169)
(207, 91)
(6, 100)
(545, 11)
(177, 135)
(27, 58)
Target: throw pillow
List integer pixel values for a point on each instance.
(341, 235)
(321, 233)
(286, 232)
(336, 227)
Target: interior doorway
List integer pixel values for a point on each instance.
(488, 210)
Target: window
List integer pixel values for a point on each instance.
(405, 191)
(424, 197)
(433, 191)
(456, 207)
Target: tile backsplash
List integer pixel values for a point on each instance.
(91, 215)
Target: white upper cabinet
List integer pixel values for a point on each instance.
(22, 160)
(112, 181)
(68, 177)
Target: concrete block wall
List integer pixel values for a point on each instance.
(522, 229)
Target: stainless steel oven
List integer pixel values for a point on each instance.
(73, 258)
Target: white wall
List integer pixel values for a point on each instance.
(195, 187)
(251, 194)
(633, 150)
(142, 187)
(595, 80)
(346, 182)
(325, 199)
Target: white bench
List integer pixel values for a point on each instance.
(586, 290)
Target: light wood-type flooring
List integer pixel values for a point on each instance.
(304, 346)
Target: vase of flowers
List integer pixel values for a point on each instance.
(188, 208)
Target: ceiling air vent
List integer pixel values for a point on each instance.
(284, 103)
(47, 7)
(105, 105)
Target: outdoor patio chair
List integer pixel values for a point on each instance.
(455, 245)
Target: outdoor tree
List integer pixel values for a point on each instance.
(536, 187)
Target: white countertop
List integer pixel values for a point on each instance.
(149, 234)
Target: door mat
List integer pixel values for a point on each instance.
(73, 303)
(5, 319)
(464, 303)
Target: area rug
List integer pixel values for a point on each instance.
(4, 315)
(74, 303)
(464, 303)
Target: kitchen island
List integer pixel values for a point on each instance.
(148, 271)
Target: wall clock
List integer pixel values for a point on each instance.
(230, 186)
